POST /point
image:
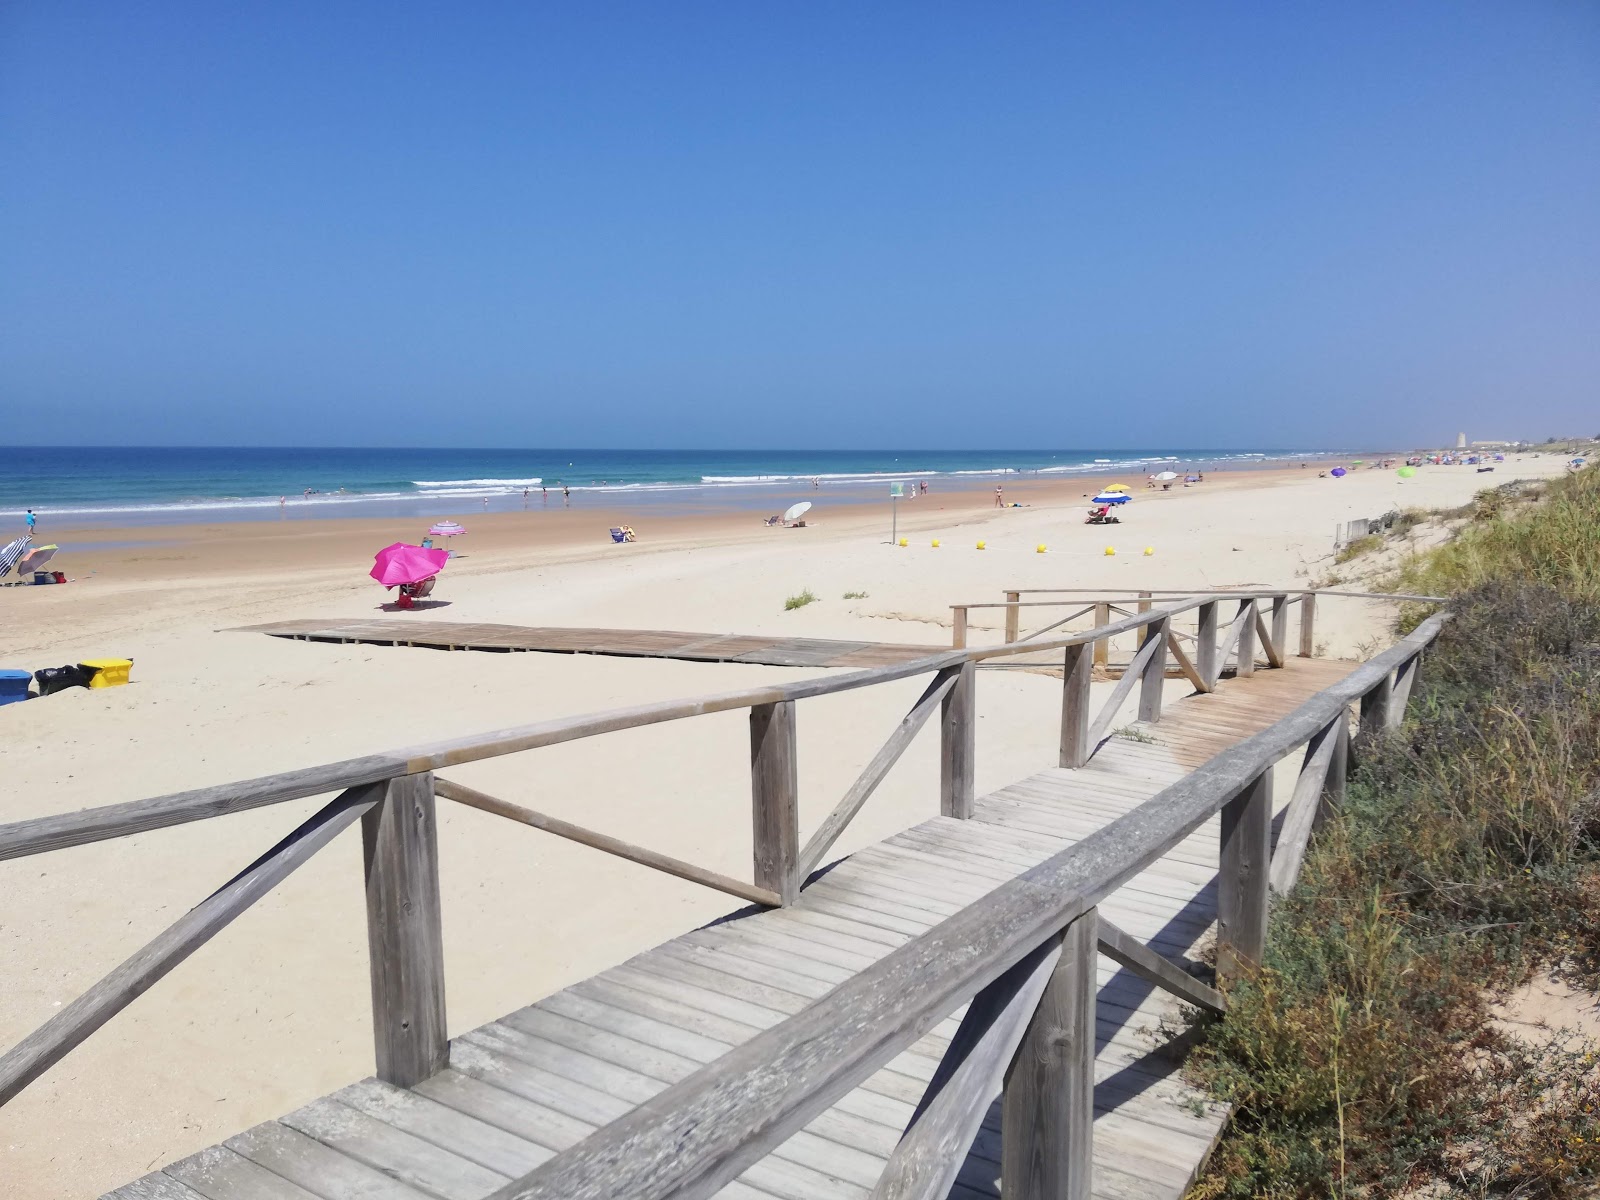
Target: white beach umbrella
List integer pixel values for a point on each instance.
(1164, 476)
(797, 511)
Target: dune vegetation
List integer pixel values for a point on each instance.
(1363, 1057)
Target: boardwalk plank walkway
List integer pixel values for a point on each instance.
(763, 649)
(542, 1078)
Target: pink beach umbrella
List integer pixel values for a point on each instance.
(447, 529)
(403, 563)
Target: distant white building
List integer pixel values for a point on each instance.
(1461, 441)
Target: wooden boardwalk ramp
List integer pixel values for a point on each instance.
(764, 649)
(980, 1005)
(540, 1079)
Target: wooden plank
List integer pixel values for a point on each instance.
(1308, 621)
(319, 1169)
(1190, 671)
(405, 937)
(957, 744)
(1076, 676)
(1242, 878)
(958, 626)
(53, 1040)
(927, 1159)
(1153, 968)
(1153, 678)
(1300, 817)
(217, 1173)
(1280, 628)
(1230, 638)
(474, 1140)
(1102, 645)
(867, 782)
(1244, 664)
(605, 843)
(157, 1186)
(1012, 616)
(392, 1152)
(775, 799)
(1108, 714)
(1376, 706)
(1268, 646)
(1048, 1102)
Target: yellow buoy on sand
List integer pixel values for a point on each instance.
(1039, 549)
(1111, 550)
(903, 542)
(935, 543)
(1149, 550)
(983, 545)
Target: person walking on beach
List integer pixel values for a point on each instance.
(31, 522)
(999, 497)
(566, 494)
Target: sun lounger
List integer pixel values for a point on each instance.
(623, 533)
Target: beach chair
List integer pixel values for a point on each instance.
(410, 592)
(623, 533)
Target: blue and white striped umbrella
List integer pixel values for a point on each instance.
(12, 552)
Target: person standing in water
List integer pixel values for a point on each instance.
(32, 520)
(999, 498)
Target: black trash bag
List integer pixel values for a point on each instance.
(59, 679)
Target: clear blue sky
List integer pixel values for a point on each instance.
(799, 224)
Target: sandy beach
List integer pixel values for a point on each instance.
(274, 1011)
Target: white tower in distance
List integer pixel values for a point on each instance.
(1461, 441)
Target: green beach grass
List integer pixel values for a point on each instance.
(1362, 1058)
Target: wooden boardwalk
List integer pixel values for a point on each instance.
(765, 650)
(542, 1078)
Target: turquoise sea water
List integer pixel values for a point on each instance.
(135, 485)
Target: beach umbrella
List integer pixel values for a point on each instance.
(795, 512)
(1117, 487)
(446, 529)
(36, 558)
(405, 563)
(1164, 476)
(1406, 472)
(1110, 497)
(1337, 472)
(12, 552)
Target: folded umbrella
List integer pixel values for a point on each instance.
(405, 563)
(13, 551)
(1110, 498)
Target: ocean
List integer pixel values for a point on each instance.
(163, 484)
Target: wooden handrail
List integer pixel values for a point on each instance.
(704, 1130)
(37, 835)
(1259, 593)
(665, 863)
(53, 1040)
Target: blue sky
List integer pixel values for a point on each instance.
(826, 225)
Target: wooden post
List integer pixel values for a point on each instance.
(1405, 686)
(1280, 627)
(1375, 706)
(1242, 878)
(1047, 1106)
(1013, 616)
(774, 796)
(1333, 785)
(1102, 648)
(1205, 654)
(1308, 620)
(405, 939)
(1075, 705)
(1247, 642)
(1144, 602)
(958, 627)
(958, 745)
(1155, 671)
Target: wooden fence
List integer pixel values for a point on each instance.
(1026, 953)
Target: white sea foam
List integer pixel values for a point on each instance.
(476, 483)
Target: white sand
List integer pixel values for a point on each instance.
(275, 1010)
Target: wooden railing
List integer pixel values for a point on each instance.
(1025, 958)
(393, 796)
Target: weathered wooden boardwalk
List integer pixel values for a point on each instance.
(765, 650)
(517, 1091)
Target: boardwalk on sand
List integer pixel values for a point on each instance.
(520, 1089)
(761, 649)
